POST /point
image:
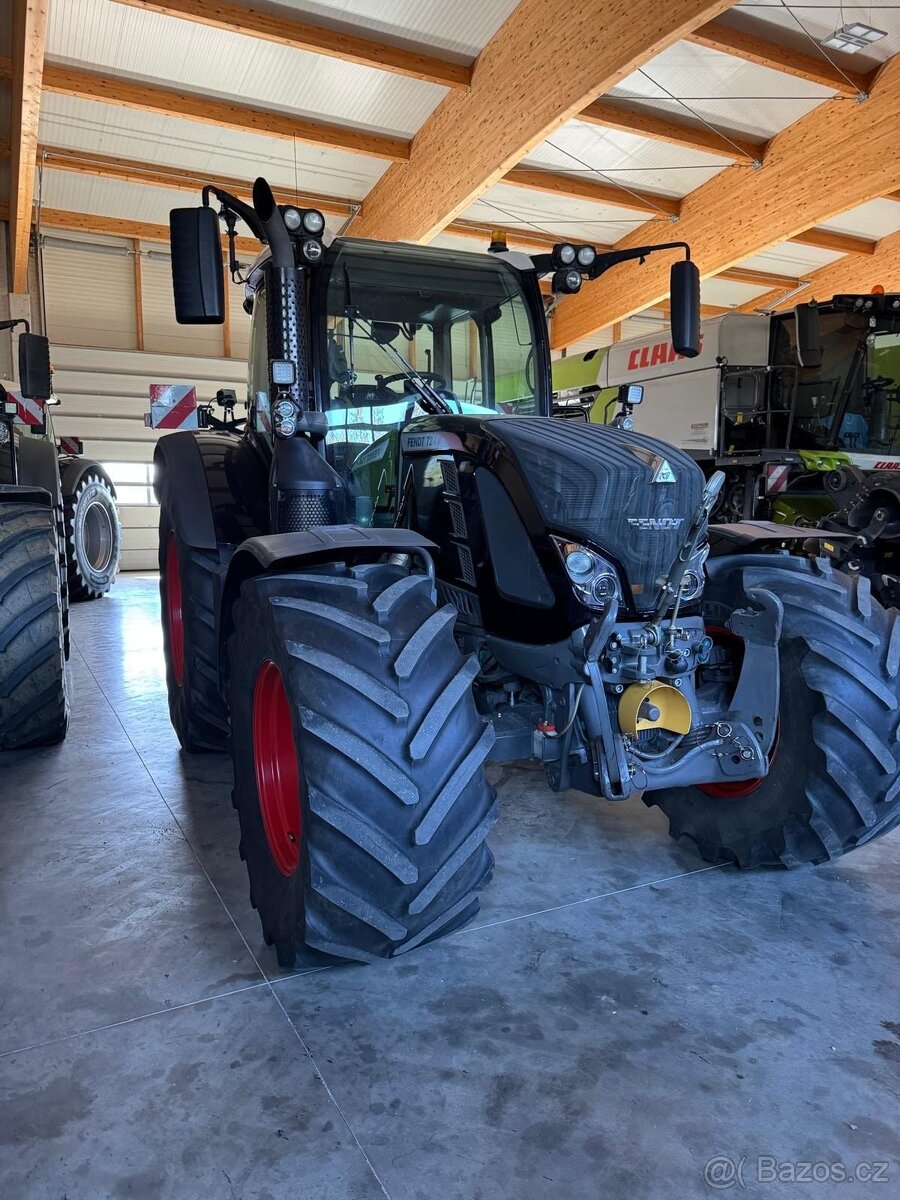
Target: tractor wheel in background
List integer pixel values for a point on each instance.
(34, 708)
(187, 596)
(93, 538)
(834, 775)
(358, 760)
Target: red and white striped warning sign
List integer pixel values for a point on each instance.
(70, 445)
(776, 478)
(28, 412)
(173, 406)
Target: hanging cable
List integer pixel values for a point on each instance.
(821, 49)
(712, 128)
(615, 182)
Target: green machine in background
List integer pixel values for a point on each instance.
(800, 409)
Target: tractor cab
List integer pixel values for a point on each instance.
(395, 333)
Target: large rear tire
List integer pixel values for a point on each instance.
(358, 760)
(34, 706)
(190, 640)
(834, 776)
(94, 538)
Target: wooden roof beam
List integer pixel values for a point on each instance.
(646, 122)
(841, 243)
(585, 187)
(518, 97)
(287, 30)
(212, 110)
(758, 278)
(836, 157)
(146, 231)
(752, 47)
(851, 274)
(130, 170)
(29, 33)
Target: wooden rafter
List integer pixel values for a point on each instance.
(29, 31)
(841, 243)
(585, 187)
(758, 278)
(287, 30)
(740, 42)
(836, 157)
(130, 170)
(212, 110)
(649, 123)
(850, 274)
(527, 82)
(146, 231)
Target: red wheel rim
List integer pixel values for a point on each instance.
(277, 773)
(174, 618)
(735, 789)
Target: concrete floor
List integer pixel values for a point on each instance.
(617, 1016)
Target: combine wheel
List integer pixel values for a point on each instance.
(34, 708)
(834, 775)
(93, 537)
(358, 760)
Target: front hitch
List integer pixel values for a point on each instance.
(722, 746)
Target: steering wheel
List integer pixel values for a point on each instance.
(429, 376)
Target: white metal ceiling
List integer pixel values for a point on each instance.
(805, 24)
(463, 27)
(877, 219)
(205, 149)
(627, 160)
(716, 88)
(723, 90)
(194, 58)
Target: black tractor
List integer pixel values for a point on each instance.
(402, 567)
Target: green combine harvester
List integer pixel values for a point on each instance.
(800, 409)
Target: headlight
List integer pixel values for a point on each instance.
(313, 221)
(565, 254)
(594, 579)
(292, 218)
(311, 250)
(694, 578)
(586, 255)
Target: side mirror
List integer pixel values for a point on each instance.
(35, 376)
(684, 299)
(809, 335)
(197, 275)
(630, 394)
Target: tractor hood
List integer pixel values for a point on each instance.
(628, 494)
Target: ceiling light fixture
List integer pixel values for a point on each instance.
(853, 37)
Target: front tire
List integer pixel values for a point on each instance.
(94, 538)
(358, 760)
(834, 776)
(34, 704)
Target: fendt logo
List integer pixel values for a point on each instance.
(656, 355)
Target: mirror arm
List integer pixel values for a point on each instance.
(231, 204)
(603, 262)
(14, 323)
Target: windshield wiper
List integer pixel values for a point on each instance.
(434, 402)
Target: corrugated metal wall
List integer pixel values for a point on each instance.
(103, 380)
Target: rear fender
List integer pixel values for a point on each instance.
(278, 553)
(744, 536)
(11, 493)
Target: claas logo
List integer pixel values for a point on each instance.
(656, 355)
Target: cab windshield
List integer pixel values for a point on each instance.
(407, 330)
(851, 402)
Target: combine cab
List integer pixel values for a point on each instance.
(402, 567)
